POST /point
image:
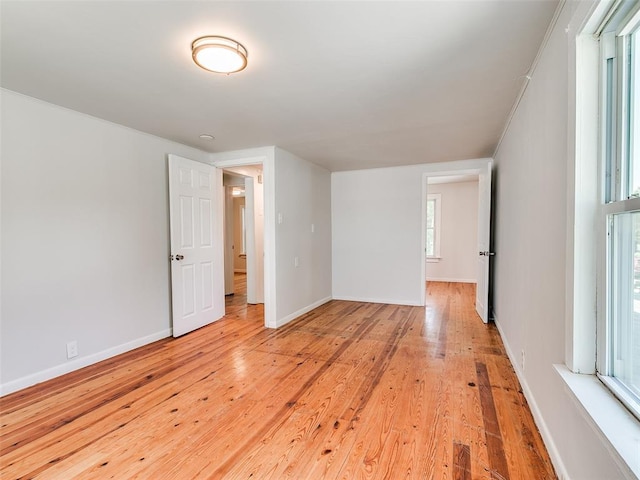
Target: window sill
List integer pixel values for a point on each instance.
(616, 424)
(433, 259)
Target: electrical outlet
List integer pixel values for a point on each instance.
(72, 349)
(296, 261)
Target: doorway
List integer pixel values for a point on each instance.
(235, 240)
(452, 228)
(481, 253)
(244, 236)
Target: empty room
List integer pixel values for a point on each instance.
(320, 239)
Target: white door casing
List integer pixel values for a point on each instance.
(249, 216)
(484, 240)
(481, 168)
(267, 214)
(255, 243)
(258, 231)
(228, 240)
(197, 267)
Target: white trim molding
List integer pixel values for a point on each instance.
(283, 321)
(616, 426)
(452, 280)
(379, 300)
(78, 363)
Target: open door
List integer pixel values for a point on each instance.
(197, 268)
(484, 239)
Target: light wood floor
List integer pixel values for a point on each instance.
(349, 391)
(238, 301)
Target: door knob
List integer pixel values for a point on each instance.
(486, 254)
(179, 257)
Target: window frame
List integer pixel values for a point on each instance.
(437, 224)
(614, 181)
(603, 412)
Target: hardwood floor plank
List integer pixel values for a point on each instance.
(520, 442)
(442, 334)
(461, 462)
(347, 391)
(495, 445)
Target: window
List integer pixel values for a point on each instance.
(433, 227)
(619, 350)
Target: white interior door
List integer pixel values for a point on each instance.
(197, 267)
(484, 239)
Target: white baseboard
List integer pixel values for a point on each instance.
(452, 280)
(302, 311)
(554, 454)
(394, 301)
(78, 363)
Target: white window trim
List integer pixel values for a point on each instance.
(437, 227)
(619, 429)
(613, 423)
(613, 47)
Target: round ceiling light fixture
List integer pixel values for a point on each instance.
(219, 54)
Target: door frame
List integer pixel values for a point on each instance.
(255, 274)
(471, 167)
(229, 288)
(267, 161)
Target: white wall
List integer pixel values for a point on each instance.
(531, 245)
(303, 202)
(85, 239)
(458, 233)
(377, 219)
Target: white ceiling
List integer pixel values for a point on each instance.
(346, 85)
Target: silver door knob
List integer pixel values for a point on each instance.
(486, 254)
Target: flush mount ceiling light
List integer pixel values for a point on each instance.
(219, 54)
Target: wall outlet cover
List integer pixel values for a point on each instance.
(72, 349)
